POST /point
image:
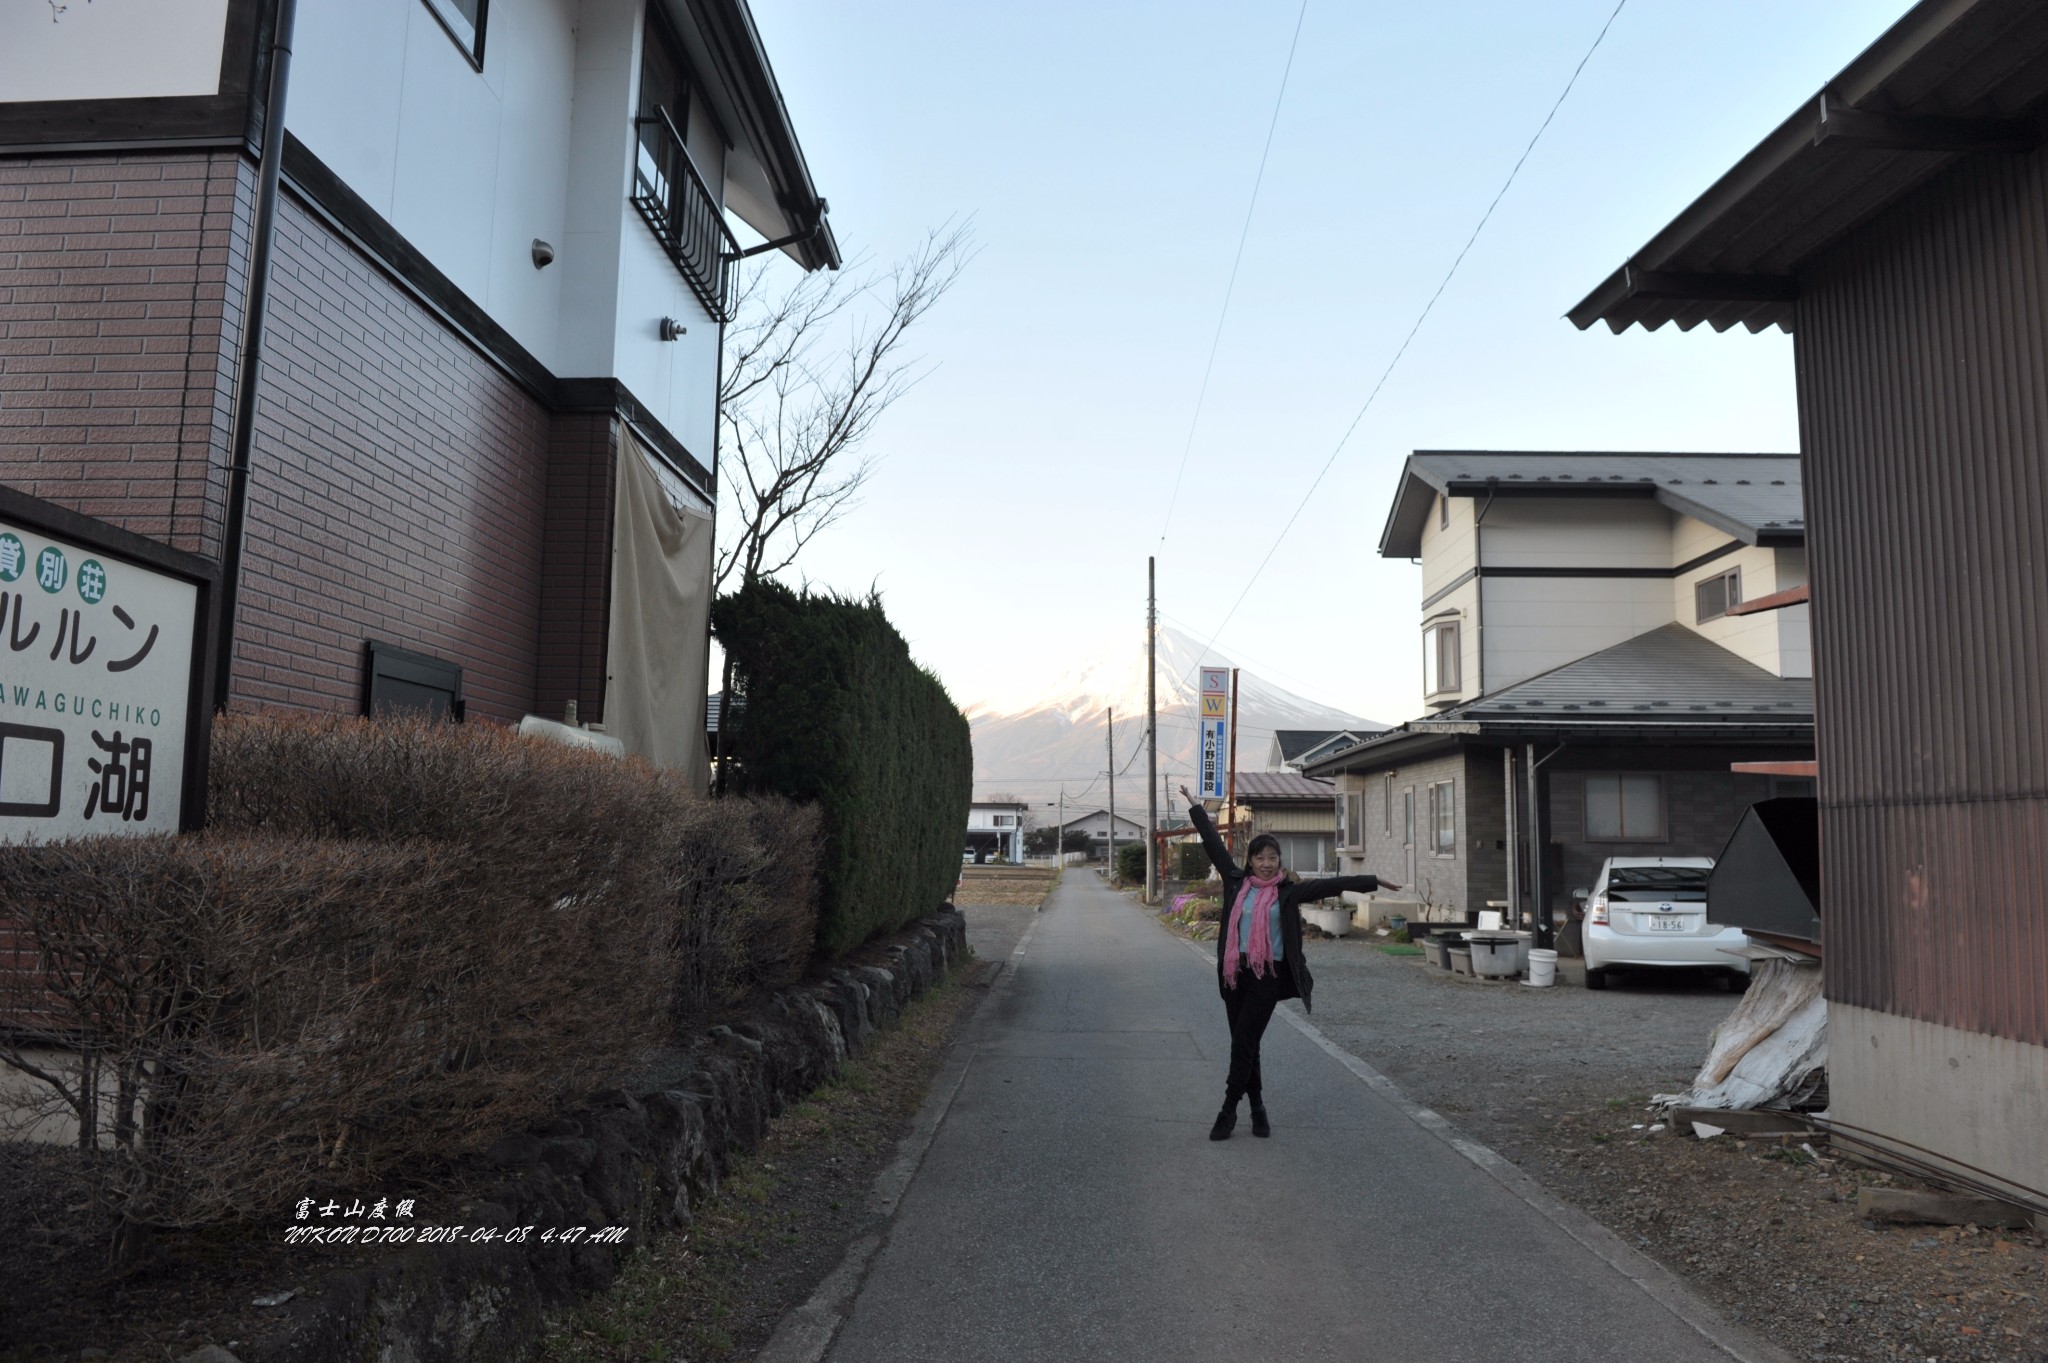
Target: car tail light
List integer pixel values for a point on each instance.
(1596, 910)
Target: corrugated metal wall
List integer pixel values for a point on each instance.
(1923, 395)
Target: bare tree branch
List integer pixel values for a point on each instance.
(798, 411)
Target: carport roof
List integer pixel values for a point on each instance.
(1671, 683)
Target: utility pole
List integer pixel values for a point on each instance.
(1230, 800)
(1111, 712)
(1151, 731)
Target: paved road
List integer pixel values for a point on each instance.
(1070, 1205)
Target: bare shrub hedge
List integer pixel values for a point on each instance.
(396, 940)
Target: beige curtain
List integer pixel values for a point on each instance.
(661, 610)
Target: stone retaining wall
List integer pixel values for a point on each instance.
(640, 1160)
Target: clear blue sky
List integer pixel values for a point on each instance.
(1106, 154)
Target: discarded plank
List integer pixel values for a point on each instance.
(1744, 1121)
(1900, 1206)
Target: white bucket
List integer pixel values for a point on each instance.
(1542, 967)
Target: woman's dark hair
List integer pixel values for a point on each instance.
(1260, 844)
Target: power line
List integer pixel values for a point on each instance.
(1420, 319)
(1230, 288)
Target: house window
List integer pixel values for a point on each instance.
(1353, 817)
(1441, 659)
(1005, 820)
(1443, 819)
(1712, 597)
(1624, 807)
(1387, 809)
(1408, 817)
(464, 21)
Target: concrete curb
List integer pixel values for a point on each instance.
(1662, 1286)
(807, 1332)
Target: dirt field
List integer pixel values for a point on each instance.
(1006, 885)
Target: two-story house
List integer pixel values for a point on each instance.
(995, 828)
(1586, 654)
(482, 449)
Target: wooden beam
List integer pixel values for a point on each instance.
(1809, 769)
(1903, 1206)
(1776, 601)
(1843, 125)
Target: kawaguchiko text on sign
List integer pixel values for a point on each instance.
(95, 684)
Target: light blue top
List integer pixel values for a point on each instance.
(1244, 928)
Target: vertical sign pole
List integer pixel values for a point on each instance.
(1230, 800)
(1151, 731)
(1111, 713)
(1059, 838)
(1536, 899)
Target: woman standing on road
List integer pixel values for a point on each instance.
(1258, 953)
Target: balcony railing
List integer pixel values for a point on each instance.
(683, 212)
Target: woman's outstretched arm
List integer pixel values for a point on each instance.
(1331, 885)
(1219, 855)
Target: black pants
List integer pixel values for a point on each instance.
(1250, 1007)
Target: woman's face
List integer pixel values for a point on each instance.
(1266, 863)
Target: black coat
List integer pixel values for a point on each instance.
(1295, 981)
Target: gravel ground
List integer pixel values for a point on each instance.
(1557, 1080)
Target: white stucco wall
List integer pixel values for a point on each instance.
(471, 167)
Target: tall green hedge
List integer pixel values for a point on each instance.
(828, 707)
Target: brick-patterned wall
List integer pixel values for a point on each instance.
(121, 280)
(576, 566)
(398, 492)
(403, 487)
(1701, 809)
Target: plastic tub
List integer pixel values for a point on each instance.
(1542, 967)
(1494, 956)
(1461, 960)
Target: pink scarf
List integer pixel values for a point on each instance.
(1257, 899)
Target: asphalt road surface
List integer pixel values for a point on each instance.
(1070, 1205)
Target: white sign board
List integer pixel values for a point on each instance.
(95, 689)
(111, 49)
(1215, 759)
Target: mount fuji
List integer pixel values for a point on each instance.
(1029, 751)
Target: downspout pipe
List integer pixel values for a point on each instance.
(250, 362)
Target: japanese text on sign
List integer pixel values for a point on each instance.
(95, 680)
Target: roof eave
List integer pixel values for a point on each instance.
(1617, 300)
(780, 152)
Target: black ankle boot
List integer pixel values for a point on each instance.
(1260, 1126)
(1226, 1122)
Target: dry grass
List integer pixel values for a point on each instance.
(396, 942)
(782, 1217)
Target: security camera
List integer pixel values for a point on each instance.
(543, 254)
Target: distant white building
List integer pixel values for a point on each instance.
(995, 828)
(1095, 823)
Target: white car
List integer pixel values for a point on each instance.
(1651, 913)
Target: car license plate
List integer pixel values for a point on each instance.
(1672, 924)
